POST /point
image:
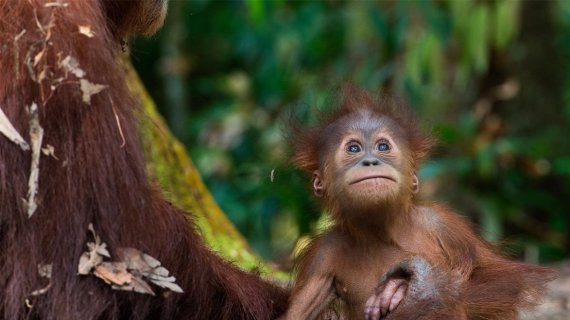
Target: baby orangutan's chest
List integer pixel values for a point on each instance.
(358, 269)
(358, 272)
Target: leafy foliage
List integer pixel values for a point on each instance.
(228, 74)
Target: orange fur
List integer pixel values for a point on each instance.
(374, 237)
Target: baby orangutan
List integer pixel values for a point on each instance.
(388, 256)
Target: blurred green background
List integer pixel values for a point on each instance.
(490, 77)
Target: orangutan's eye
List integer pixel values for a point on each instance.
(353, 148)
(383, 146)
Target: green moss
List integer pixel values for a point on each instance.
(169, 165)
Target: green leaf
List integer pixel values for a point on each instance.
(433, 57)
(477, 44)
(561, 166)
(506, 20)
(490, 220)
(256, 10)
(486, 165)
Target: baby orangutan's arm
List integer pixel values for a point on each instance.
(311, 299)
(314, 289)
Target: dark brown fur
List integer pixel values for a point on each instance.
(99, 177)
(128, 17)
(378, 230)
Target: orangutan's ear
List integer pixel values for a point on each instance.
(415, 184)
(318, 187)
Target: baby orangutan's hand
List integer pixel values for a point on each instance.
(387, 296)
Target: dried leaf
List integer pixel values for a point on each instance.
(44, 270)
(141, 263)
(70, 64)
(137, 285)
(8, 130)
(39, 57)
(160, 272)
(36, 137)
(87, 262)
(113, 273)
(134, 260)
(170, 285)
(99, 247)
(152, 262)
(49, 150)
(42, 75)
(41, 291)
(89, 89)
(86, 31)
(116, 274)
(102, 250)
(93, 257)
(127, 273)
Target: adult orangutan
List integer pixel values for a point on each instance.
(78, 218)
(388, 255)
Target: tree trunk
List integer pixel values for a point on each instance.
(170, 166)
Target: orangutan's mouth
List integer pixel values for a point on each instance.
(373, 177)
